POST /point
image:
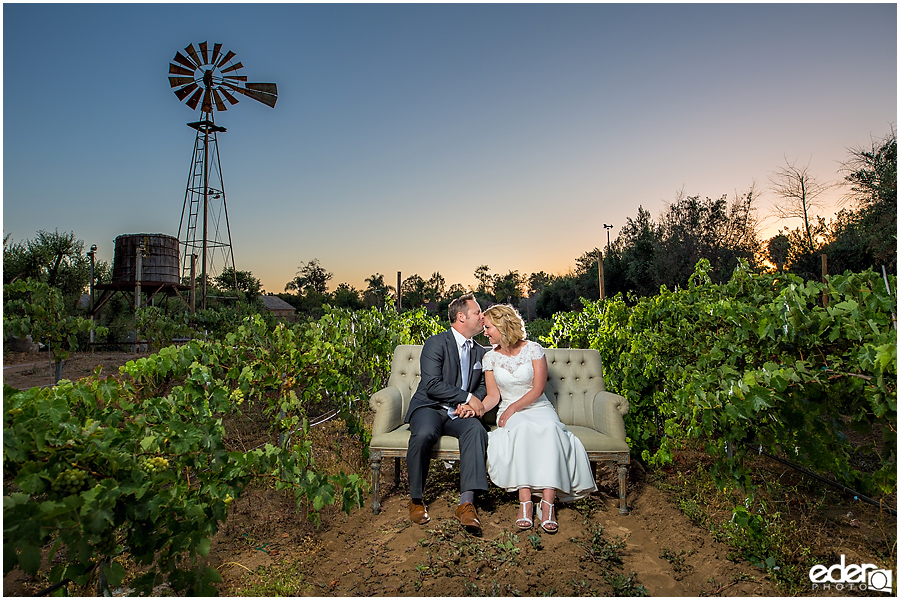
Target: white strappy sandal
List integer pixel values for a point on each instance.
(553, 525)
(525, 521)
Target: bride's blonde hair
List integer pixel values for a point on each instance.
(508, 322)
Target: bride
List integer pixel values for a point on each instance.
(531, 450)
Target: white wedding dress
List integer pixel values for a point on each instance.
(534, 449)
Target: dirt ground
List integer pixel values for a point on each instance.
(385, 555)
(268, 547)
(23, 370)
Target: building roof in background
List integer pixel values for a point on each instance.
(276, 303)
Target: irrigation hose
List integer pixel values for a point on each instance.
(856, 495)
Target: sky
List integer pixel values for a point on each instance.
(427, 138)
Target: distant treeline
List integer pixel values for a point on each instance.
(646, 254)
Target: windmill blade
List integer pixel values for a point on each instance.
(228, 56)
(195, 99)
(219, 104)
(207, 101)
(215, 54)
(183, 60)
(176, 70)
(204, 76)
(233, 67)
(180, 81)
(183, 92)
(193, 54)
(228, 96)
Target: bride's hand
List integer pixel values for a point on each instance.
(501, 422)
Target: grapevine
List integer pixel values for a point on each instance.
(758, 361)
(138, 464)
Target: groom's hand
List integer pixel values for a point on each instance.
(464, 412)
(477, 406)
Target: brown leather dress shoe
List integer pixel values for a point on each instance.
(465, 514)
(418, 513)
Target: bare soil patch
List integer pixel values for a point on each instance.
(24, 370)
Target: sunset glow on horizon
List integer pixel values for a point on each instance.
(435, 138)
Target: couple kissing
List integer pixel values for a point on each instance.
(530, 452)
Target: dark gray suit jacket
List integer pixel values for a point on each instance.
(441, 381)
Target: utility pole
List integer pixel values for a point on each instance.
(92, 254)
(600, 274)
(600, 262)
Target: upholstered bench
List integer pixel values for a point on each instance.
(574, 387)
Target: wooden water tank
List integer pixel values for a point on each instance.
(159, 264)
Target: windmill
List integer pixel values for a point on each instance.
(207, 78)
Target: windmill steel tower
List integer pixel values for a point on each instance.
(205, 78)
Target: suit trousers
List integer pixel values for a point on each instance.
(426, 426)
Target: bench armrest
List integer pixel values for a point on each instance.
(388, 406)
(607, 412)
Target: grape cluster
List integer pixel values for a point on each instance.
(70, 481)
(107, 544)
(228, 500)
(155, 465)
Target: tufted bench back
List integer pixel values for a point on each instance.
(406, 372)
(574, 377)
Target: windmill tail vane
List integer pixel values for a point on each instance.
(207, 78)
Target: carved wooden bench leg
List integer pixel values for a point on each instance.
(623, 472)
(375, 459)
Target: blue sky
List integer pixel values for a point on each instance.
(423, 138)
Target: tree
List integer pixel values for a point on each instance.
(310, 276)
(778, 248)
(800, 195)
(558, 296)
(347, 296)
(455, 291)
(640, 240)
(377, 291)
(57, 259)
(537, 282)
(871, 175)
(715, 229)
(484, 279)
(801, 260)
(246, 282)
(508, 288)
(435, 288)
(34, 308)
(413, 292)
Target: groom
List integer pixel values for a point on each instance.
(450, 390)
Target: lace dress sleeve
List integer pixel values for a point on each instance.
(535, 350)
(487, 363)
